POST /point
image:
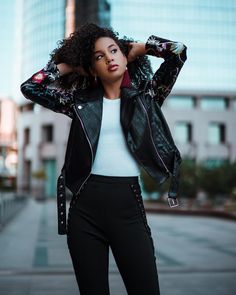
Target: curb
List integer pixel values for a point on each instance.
(191, 212)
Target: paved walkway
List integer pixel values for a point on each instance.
(195, 255)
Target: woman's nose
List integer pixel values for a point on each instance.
(109, 59)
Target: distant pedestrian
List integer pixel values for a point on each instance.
(106, 86)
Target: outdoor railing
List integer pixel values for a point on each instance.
(10, 205)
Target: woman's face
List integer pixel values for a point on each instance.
(108, 61)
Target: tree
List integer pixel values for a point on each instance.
(189, 178)
(219, 180)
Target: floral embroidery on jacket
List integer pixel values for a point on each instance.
(174, 54)
(39, 90)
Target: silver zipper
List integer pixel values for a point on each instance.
(149, 125)
(89, 146)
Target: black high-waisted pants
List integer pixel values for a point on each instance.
(109, 211)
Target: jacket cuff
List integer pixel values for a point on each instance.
(156, 46)
(160, 47)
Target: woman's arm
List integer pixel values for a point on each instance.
(37, 88)
(174, 54)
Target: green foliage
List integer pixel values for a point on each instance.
(39, 174)
(189, 178)
(220, 180)
(215, 180)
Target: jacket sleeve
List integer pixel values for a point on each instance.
(38, 89)
(174, 54)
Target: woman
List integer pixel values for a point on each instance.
(104, 84)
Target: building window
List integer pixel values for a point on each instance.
(216, 133)
(26, 135)
(27, 107)
(27, 175)
(47, 133)
(183, 102)
(183, 132)
(214, 162)
(234, 103)
(213, 103)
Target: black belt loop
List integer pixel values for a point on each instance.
(61, 203)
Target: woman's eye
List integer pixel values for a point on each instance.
(114, 50)
(98, 57)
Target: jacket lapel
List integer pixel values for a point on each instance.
(127, 107)
(88, 108)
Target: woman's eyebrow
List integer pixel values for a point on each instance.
(107, 47)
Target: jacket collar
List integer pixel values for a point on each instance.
(92, 106)
(89, 95)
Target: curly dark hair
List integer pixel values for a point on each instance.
(77, 50)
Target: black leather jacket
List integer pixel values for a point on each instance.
(145, 128)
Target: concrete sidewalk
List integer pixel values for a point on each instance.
(195, 255)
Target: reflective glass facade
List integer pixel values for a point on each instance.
(207, 27)
(43, 26)
(234, 103)
(216, 133)
(181, 102)
(7, 23)
(183, 132)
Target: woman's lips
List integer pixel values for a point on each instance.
(113, 68)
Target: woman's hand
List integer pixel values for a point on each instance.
(136, 49)
(64, 69)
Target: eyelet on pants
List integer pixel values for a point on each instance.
(109, 212)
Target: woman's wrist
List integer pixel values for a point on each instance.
(140, 49)
(137, 49)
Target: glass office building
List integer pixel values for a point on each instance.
(43, 25)
(201, 107)
(207, 27)
(7, 20)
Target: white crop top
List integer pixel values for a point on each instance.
(113, 157)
